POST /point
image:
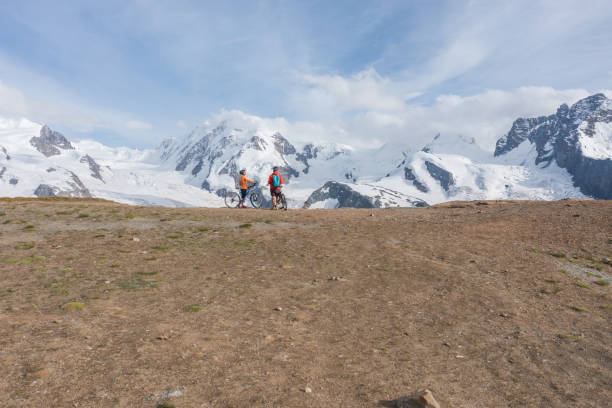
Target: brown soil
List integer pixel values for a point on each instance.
(247, 308)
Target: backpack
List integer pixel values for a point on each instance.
(275, 180)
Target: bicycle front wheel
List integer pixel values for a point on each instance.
(232, 199)
(255, 199)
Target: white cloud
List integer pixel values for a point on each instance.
(15, 104)
(366, 90)
(138, 125)
(63, 112)
(181, 124)
(366, 109)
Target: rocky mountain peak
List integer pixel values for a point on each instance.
(49, 142)
(576, 138)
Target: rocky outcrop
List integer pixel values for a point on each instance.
(74, 188)
(410, 176)
(49, 142)
(566, 138)
(345, 196)
(94, 167)
(4, 153)
(282, 145)
(202, 150)
(45, 190)
(340, 195)
(421, 399)
(444, 177)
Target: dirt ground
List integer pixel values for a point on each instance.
(488, 304)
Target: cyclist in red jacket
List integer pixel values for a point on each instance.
(275, 181)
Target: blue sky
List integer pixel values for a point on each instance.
(135, 72)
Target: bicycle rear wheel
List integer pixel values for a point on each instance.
(255, 199)
(282, 202)
(232, 199)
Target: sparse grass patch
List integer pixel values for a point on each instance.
(83, 215)
(174, 235)
(203, 229)
(151, 258)
(575, 261)
(128, 216)
(245, 225)
(166, 404)
(557, 254)
(66, 269)
(137, 283)
(580, 309)
(160, 248)
(596, 275)
(583, 285)
(25, 245)
(564, 271)
(24, 261)
(570, 337)
(585, 250)
(606, 306)
(100, 236)
(115, 265)
(29, 228)
(601, 282)
(2, 213)
(193, 308)
(594, 265)
(6, 222)
(147, 273)
(73, 306)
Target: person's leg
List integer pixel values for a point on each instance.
(273, 198)
(243, 193)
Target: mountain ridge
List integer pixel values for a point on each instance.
(566, 154)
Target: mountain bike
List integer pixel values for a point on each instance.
(281, 200)
(232, 198)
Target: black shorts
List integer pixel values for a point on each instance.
(243, 193)
(275, 192)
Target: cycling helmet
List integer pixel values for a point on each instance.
(275, 168)
(242, 171)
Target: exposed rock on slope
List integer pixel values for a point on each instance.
(74, 187)
(339, 195)
(93, 167)
(444, 177)
(49, 142)
(578, 139)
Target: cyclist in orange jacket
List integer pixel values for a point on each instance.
(275, 181)
(244, 185)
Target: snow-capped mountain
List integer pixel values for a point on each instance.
(568, 154)
(578, 139)
(37, 161)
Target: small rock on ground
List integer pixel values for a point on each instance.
(421, 399)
